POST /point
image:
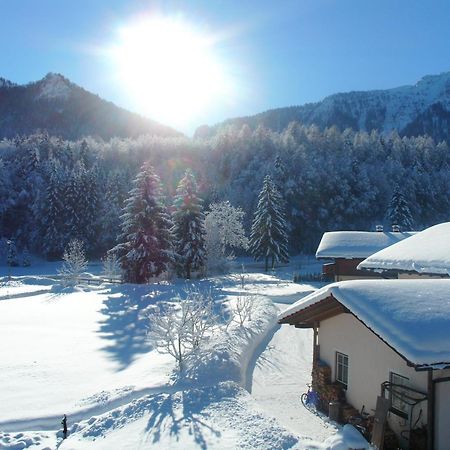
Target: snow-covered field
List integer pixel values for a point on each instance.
(84, 352)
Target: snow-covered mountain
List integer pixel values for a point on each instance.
(66, 110)
(423, 108)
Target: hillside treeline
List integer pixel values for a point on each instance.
(53, 190)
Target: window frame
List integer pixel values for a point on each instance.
(340, 363)
(402, 408)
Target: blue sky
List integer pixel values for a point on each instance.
(280, 52)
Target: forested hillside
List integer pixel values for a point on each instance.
(53, 190)
(423, 108)
(63, 109)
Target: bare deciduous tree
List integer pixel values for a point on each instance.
(111, 266)
(74, 264)
(179, 328)
(243, 308)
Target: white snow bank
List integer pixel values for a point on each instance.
(412, 316)
(19, 441)
(228, 354)
(222, 417)
(425, 252)
(346, 438)
(356, 244)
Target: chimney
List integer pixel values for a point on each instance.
(395, 229)
(379, 228)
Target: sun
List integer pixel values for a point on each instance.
(171, 70)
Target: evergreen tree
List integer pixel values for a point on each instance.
(398, 212)
(145, 250)
(268, 238)
(189, 226)
(52, 215)
(12, 254)
(111, 203)
(26, 261)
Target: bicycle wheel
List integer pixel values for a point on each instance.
(304, 399)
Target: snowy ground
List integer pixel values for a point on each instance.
(85, 353)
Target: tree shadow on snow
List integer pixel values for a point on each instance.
(183, 412)
(128, 310)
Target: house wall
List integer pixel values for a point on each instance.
(418, 276)
(370, 362)
(442, 411)
(356, 277)
(346, 269)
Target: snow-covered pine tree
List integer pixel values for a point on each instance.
(268, 238)
(12, 254)
(189, 226)
(398, 212)
(110, 210)
(145, 248)
(52, 215)
(26, 261)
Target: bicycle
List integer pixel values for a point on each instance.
(310, 399)
(363, 423)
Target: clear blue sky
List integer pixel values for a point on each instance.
(282, 52)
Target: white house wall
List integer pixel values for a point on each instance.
(370, 362)
(442, 423)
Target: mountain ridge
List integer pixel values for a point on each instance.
(422, 108)
(64, 109)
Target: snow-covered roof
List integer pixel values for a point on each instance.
(426, 252)
(412, 316)
(356, 244)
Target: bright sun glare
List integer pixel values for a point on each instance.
(171, 70)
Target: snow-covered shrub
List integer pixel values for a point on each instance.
(74, 264)
(179, 328)
(243, 308)
(111, 266)
(224, 234)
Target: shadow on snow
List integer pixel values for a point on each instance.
(128, 310)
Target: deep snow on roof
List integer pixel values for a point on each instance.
(356, 244)
(412, 316)
(425, 252)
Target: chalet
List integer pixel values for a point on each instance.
(424, 255)
(349, 248)
(384, 341)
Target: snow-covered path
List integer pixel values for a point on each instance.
(280, 376)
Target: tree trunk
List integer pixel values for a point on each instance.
(188, 271)
(273, 262)
(180, 356)
(267, 263)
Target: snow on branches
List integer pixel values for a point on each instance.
(268, 238)
(145, 250)
(180, 328)
(189, 226)
(75, 263)
(224, 233)
(398, 212)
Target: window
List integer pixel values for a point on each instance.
(342, 369)
(398, 394)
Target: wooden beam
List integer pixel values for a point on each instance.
(325, 314)
(300, 316)
(430, 411)
(316, 348)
